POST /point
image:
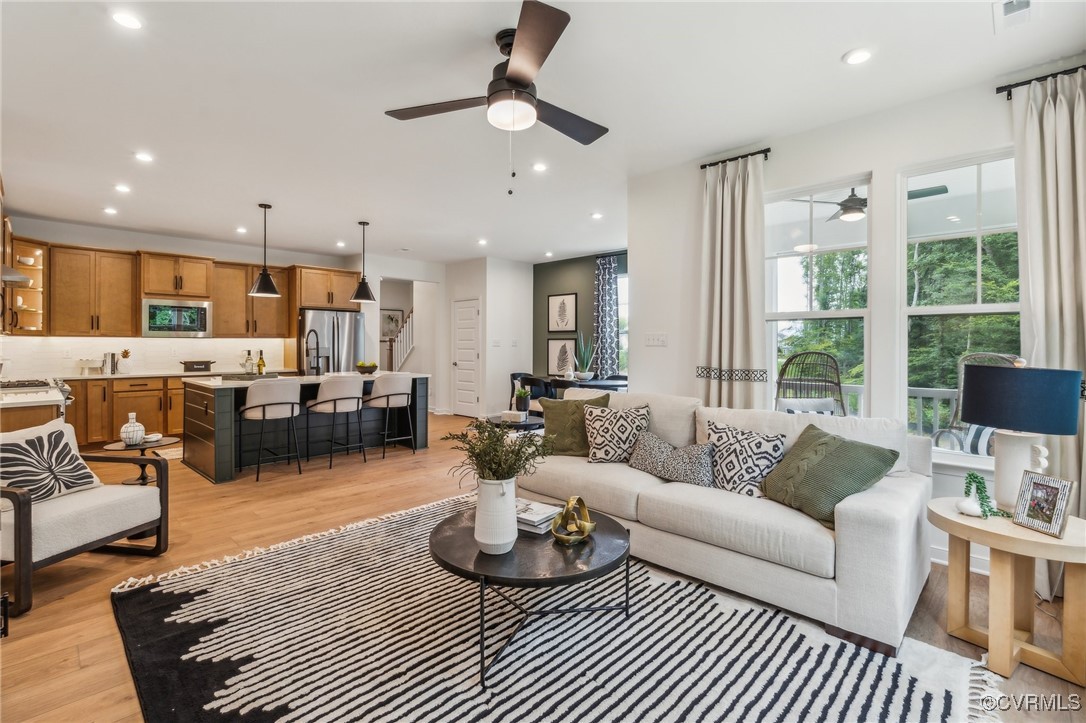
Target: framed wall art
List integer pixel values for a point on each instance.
(560, 356)
(1042, 503)
(562, 312)
(391, 321)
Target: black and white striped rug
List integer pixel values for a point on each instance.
(359, 624)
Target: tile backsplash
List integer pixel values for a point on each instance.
(30, 357)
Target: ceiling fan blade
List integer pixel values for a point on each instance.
(538, 29)
(421, 111)
(579, 129)
(836, 216)
(926, 192)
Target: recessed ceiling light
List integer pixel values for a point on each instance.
(482, 242)
(404, 248)
(242, 229)
(597, 216)
(539, 167)
(341, 244)
(109, 210)
(549, 254)
(121, 188)
(129, 21)
(857, 56)
(144, 156)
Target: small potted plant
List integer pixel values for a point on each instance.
(584, 355)
(495, 457)
(366, 367)
(523, 397)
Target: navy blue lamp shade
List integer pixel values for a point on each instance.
(1042, 401)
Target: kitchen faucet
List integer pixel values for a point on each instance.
(316, 350)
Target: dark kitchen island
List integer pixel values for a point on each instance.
(212, 444)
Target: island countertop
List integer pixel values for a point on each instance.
(217, 382)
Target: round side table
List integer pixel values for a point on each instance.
(144, 478)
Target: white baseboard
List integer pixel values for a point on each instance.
(434, 410)
(977, 563)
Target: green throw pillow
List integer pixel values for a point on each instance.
(563, 421)
(822, 469)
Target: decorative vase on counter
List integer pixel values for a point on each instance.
(496, 516)
(132, 433)
(522, 403)
(124, 365)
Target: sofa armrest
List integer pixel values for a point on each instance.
(24, 550)
(883, 556)
(919, 454)
(162, 481)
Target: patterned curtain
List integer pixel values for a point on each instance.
(606, 316)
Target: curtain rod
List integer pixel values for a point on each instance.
(763, 152)
(1009, 89)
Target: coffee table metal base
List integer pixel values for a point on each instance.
(484, 666)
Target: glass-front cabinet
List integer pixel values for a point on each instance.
(26, 303)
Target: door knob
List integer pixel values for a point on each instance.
(454, 364)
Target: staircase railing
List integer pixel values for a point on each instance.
(401, 345)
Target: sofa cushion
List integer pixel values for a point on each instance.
(752, 526)
(45, 461)
(670, 417)
(822, 469)
(609, 488)
(612, 433)
(887, 433)
(563, 421)
(824, 405)
(693, 464)
(66, 522)
(742, 459)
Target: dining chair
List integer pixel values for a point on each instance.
(271, 399)
(392, 391)
(338, 395)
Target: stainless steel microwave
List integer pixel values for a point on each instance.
(172, 317)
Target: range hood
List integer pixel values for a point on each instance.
(11, 277)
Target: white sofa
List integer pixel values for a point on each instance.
(861, 579)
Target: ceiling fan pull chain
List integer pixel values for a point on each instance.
(512, 169)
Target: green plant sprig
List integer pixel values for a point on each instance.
(522, 392)
(585, 352)
(491, 453)
(973, 480)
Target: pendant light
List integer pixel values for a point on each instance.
(264, 285)
(363, 294)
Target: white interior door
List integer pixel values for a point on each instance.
(466, 357)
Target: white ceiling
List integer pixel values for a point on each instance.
(284, 103)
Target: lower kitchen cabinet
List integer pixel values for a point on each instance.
(147, 406)
(97, 417)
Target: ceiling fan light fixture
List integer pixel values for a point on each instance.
(805, 248)
(852, 214)
(509, 110)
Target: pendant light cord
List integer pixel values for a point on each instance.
(265, 238)
(363, 224)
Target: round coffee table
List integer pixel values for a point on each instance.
(144, 478)
(535, 561)
(531, 423)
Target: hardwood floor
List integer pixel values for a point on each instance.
(64, 660)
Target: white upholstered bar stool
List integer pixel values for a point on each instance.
(268, 399)
(392, 391)
(338, 395)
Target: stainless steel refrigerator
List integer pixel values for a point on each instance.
(330, 341)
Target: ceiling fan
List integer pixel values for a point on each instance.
(853, 207)
(511, 99)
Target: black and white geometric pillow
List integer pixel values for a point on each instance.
(693, 464)
(742, 459)
(823, 412)
(46, 465)
(613, 432)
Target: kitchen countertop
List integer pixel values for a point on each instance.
(140, 375)
(221, 384)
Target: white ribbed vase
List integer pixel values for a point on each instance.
(132, 433)
(496, 516)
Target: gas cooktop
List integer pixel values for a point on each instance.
(25, 384)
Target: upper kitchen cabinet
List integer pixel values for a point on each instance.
(236, 314)
(325, 288)
(26, 304)
(170, 275)
(95, 293)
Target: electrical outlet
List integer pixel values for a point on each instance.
(656, 339)
(495, 343)
(67, 353)
(513, 343)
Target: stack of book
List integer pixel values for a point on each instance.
(535, 517)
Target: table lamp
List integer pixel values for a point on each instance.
(1023, 404)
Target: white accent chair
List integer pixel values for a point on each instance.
(270, 399)
(392, 391)
(338, 395)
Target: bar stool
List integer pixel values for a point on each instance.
(272, 399)
(338, 395)
(392, 391)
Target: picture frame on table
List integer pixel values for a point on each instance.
(560, 356)
(1042, 503)
(391, 321)
(562, 312)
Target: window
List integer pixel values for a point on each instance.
(961, 283)
(623, 324)
(816, 281)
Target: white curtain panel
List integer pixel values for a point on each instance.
(731, 362)
(1050, 149)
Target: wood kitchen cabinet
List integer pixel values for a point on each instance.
(76, 413)
(175, 407)
(236, 314)
(170, 275)
(325, 288)
(7, 255)
(26, 304)
(95, 293)
(99, 412)
(142, 396)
